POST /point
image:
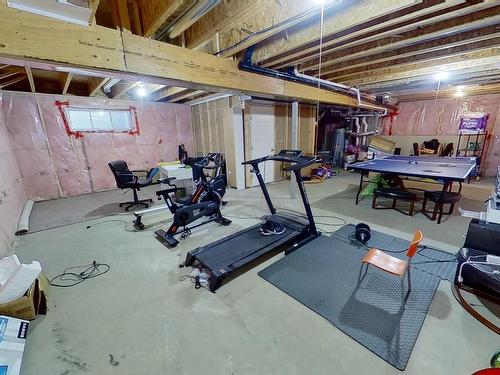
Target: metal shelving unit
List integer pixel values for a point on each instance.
(474, 148)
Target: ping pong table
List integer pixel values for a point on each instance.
(445, 170)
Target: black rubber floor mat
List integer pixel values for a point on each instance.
(431, 260)
(323, 276)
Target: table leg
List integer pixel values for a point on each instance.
(439, 204)
(360, 186)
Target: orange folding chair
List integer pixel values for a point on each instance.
(392, 265)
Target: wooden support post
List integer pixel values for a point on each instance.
(295, 144)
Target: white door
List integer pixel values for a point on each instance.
(262, 136)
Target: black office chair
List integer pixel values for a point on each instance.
(126, 179)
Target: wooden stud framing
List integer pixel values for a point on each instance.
(12, 81)
(107, 51)
(93, 5)
(31, 80)
(168, 9)
(122, 87)
(94, 84)
(65, 79)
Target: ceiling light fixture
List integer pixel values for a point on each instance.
(141, 91)
(442, 75)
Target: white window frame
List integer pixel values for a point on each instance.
(112, 128)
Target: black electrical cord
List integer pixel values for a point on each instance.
(75, 275)
(126, 225)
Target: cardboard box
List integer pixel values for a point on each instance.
(12, 341)
(33, 302)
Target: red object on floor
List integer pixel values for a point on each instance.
(488, 371)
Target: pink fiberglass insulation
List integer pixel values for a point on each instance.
(55, 164)
(12, 194)
(434, 118)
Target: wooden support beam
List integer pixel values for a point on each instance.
(156, 13)
(469, 22)
(94, 84)
(65, 79)
(12, 81)
(93, 5)
(31, 80)
(122, 87)
(103, 51)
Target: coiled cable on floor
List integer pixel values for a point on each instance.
(75, 275)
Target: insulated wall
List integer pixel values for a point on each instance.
(54, 164)
(12, 195)
(440, 119)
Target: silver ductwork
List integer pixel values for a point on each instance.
(185, 20)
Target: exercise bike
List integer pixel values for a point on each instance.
(204, 202)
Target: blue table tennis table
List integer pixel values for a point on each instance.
(445, 170)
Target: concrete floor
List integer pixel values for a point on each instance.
(140, 319)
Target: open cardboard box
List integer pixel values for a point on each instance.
(33, 302)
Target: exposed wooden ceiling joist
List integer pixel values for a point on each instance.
(122, 87)
(155, 13)
(478, 59)
(168, 92)
(452, 93)
(448, 45)
(12, 81)
(268, 18)
(94, 84)
(187, 95)
(10, 73)
(31, 80)
(100, 50)
(359, 21)
(473, 21)
(93, 5)
(65, 79)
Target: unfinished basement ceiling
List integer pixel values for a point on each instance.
(382, 47)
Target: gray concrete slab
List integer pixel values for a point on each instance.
(140, 319)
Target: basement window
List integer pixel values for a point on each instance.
(100, 120)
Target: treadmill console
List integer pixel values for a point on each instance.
(290, 153)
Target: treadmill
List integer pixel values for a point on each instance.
(234, 254)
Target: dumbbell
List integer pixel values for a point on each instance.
(362, 232)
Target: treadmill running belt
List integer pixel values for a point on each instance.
(235, 249)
